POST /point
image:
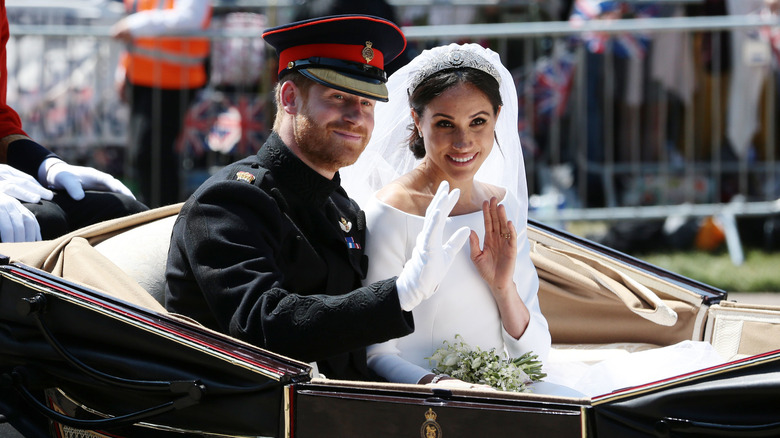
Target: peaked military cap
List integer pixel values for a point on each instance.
(345, 52)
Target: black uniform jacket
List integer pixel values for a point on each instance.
(271, 252)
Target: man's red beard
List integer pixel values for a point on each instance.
(321, 148)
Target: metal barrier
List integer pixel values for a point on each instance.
(660, 148)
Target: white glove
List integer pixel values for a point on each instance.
(76, 179)
(430, 259)
(17, 223)
(19, 185)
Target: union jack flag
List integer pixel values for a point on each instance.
(548, 84)
(624, 45)
(197, 124)
(254, 129)
(225, 123)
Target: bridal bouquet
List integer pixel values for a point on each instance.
(471, 365)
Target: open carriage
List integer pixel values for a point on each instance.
(86, 349)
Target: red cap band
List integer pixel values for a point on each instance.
(344, 52)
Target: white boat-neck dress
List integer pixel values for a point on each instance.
(463, 303)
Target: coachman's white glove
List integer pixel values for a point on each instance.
(17, 223)
(75, 179)
(430, 258)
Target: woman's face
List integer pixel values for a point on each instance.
(457, 128)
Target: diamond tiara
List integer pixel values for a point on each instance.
(456, 58)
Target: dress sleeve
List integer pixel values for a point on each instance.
(385, 360)
(537, 336)
(386, 241)
(387, 249)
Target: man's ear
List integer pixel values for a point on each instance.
(290, 96)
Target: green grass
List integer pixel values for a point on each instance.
(760, 272)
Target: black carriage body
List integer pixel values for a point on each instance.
(122, 361)
(111, 368)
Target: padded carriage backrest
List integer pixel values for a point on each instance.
(75, 258)
(142, 253)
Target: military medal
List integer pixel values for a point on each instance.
(345, 225)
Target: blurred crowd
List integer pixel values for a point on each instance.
(637, 96)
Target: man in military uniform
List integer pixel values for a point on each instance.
(270, 250)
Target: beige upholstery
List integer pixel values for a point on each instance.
(74, 257)
(142, 253)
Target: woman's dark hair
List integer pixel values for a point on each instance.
(441, 81)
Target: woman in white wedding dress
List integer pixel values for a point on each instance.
(462, 128)
(463, 101)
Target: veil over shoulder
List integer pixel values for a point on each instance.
(387, 155)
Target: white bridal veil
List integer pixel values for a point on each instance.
(387, 155)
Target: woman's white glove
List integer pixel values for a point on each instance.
(17, 223)
(76, 179)
(430, 259)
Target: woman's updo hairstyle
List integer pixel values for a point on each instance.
(441, 81)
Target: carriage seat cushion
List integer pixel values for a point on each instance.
(142, 253)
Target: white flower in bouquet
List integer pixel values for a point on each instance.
(474, 365)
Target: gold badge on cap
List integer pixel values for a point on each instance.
(245, 176)
(368, 52)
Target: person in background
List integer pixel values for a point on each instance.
(41, 196)
(160, 76)
(270, 249)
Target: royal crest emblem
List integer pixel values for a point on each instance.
(368, 52)
(430, 428)
(245, 176)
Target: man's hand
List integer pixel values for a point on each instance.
(430, 259)
(75, 179)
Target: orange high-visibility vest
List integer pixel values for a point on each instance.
(166, 62)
